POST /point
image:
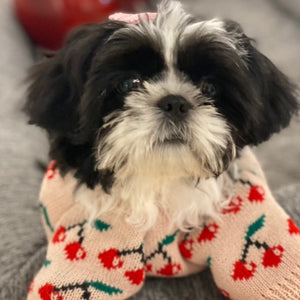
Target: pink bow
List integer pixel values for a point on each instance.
(133, 18)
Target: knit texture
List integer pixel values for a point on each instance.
(252, 248)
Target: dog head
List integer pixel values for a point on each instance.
(170, 98)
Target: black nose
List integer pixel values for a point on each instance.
(175, 107)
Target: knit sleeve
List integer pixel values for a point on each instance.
(56, 197)
(253, 249)
(100, 259)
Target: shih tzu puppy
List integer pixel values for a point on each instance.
(158, 108)
(154, 115)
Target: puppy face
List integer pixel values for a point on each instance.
(147, 103)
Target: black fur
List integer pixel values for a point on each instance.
(254, 96)
(276, 95)
(75, 89)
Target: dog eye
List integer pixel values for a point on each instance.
(129, 85)
(208, 88)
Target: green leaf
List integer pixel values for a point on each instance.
(100, 286)
(47, 263)
(45, 213)
(254, 227)
(209, 261)
(169, 238)
(101, 226)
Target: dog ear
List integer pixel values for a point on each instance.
(57, 83)
(276, 95)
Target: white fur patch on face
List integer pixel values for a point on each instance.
(139, 132)
(147, 167)
(171, 21)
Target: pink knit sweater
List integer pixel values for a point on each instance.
(253, 249)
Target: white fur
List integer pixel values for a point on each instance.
(147, 169)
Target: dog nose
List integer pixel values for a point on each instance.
(174, 106)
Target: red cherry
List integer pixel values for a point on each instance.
(257, 194)
(136, 277)
(52, 169)
(272, 256)
(243, 270)
(170, 270)
(148, 268)
(208, 233)
(293, 229)
(59, 235)
(186, 248)
(75, 251)
(111, 259)
(234, 205)
(30, 289)
(224, 293)
(47, 292)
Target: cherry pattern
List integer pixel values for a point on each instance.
(224, 293)
(111, 259)
(136, 276)
(186, 248)
(292, 227)
(170, 269)
(272, 256)
(208, 233)
(256, 194)
(51, 170)
(234, 205)
(60, 235)
(75, 251)
(243, 270)
(49, 292)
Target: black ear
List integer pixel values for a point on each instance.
(276, 95)
(57, 83)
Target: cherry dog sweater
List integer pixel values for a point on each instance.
(253, 248)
